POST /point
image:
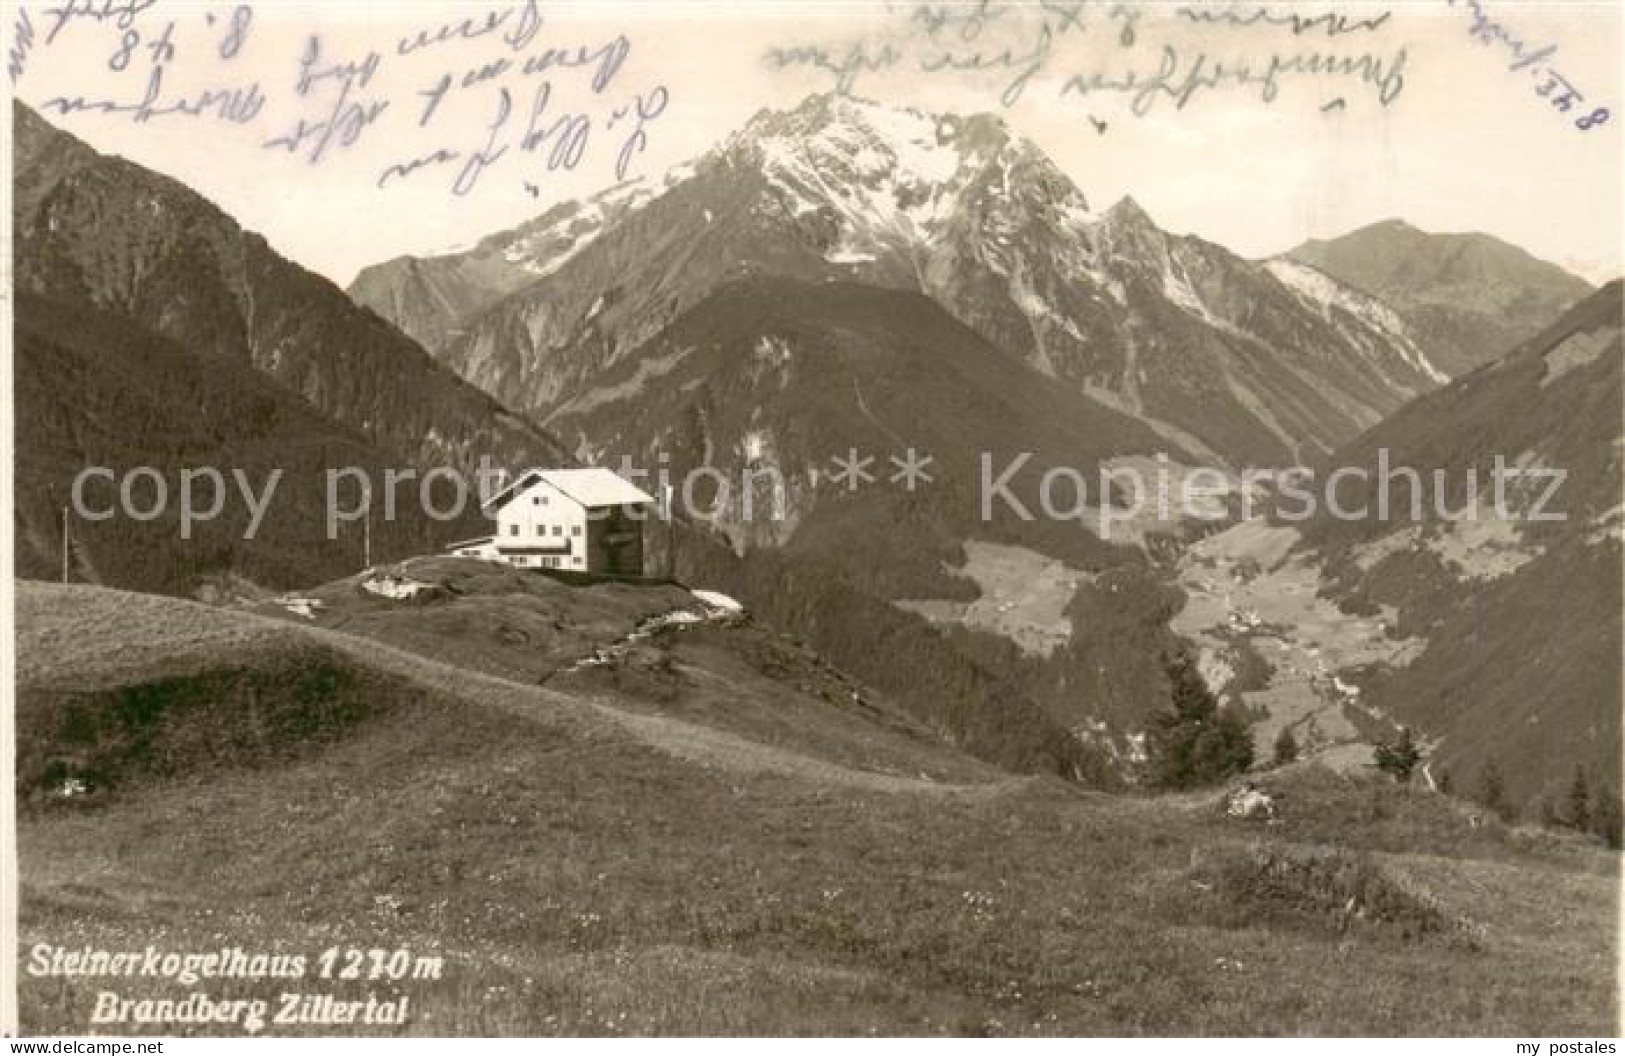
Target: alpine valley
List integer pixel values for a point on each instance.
(871, 747)
(850, 277)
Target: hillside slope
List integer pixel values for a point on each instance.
(781, 378)
(105, 233)
(93, 389)
(609, 655)
(1522, 617)
(602, 859)
(770, 384)
(1468, 298)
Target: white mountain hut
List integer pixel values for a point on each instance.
(582, 520)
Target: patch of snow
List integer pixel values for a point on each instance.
(72, 787)
(843, 255)
(1176, 286)
(721, 603)
(674, 620)
(306, 607)
(1036, 308)
(771, 351)
(1324, 293)
(756, 445)
(538, 249)
(915, 139)
(1249, 803)
(395, 587)
(888, 174)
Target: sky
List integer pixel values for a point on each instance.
(1464, 143)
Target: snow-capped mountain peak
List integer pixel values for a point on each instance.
(887, 177)
(1213, 350)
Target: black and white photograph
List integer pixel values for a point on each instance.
(812, 519)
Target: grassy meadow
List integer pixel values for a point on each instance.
(633, 849)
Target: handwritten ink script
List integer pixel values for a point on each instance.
(21, 46)
(1150, 56)
(501, 90)
(1538, 60)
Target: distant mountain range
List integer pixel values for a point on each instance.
(432, 299)
(733, 317)
(1229, 360)
(1468, 299)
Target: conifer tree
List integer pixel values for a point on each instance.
(1286, 747)
(1399, 758)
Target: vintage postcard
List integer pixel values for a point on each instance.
(990, 518)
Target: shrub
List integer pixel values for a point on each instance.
(1492, 791)
(1605, 816)
(1195, 742)
(1579, 805)
(1332, 891)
